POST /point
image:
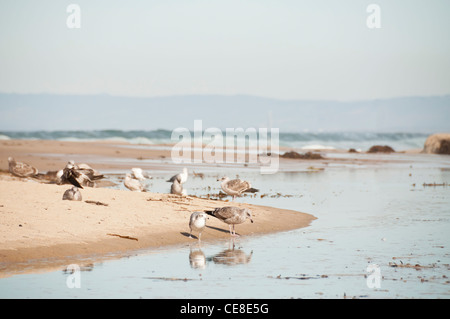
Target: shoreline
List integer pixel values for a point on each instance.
(42, 226)
(40, 230)
(53, 155)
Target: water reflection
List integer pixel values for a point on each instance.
(197, 258)
(71, 269)
(230, 256)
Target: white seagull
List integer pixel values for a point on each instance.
(177, 189)
(133, 184)
(181, 177)
(139, 174)
(197, 222)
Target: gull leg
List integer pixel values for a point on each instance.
(234, 233)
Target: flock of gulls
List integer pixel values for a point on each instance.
(83, 175)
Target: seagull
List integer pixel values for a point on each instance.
(236, 187)
(93, 174)
(139, 174)
(59, 177)
(133, 184)
(21, 169)
(181, 177)
(197, 222)
(87, 170)
(177, 189)
(75, 177)
(231, 216)
(72, 194)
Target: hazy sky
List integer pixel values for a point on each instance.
(286, 49)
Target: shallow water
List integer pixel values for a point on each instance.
(367, 216)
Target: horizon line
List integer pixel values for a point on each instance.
(228, 96)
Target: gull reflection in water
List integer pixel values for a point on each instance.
(231, 257)
(197, 258)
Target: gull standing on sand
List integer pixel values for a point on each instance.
(132, 184)
(21, 169)
(231, 216)
(72, 194)
(236, 187)
(197, 222)
(139, 174)
(181, 177)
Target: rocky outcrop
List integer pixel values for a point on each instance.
(437, 144)
(295, 155)
(381, 149)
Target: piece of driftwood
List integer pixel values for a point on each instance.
(96, 203)
(124, 237)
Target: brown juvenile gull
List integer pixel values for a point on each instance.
(75, 177)
(87, 170)
(231, 216)
(21, 169)
(181, 177)
(133, 184)
(197, 222)
(236, 187)
(177, 189)
(72, 194)
(93, 174)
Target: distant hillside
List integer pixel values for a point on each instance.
(87, 112)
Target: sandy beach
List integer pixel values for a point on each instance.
(37, 227)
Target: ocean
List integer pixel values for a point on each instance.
(305, 140)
